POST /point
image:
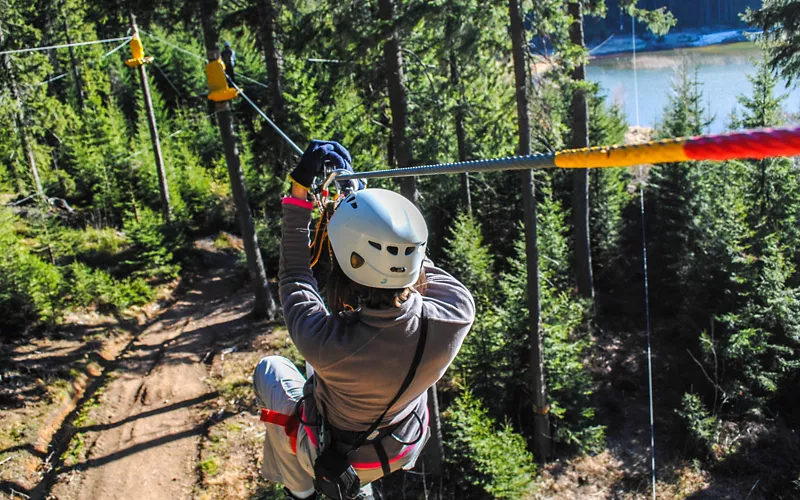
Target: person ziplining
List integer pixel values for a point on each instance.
(229, 58)
(390, 311)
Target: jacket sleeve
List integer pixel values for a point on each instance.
(308, 321)
(446, 298)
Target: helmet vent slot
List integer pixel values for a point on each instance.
(350, 198)
(374, 245)
(392, 250)
(410, 250)
(356, 260)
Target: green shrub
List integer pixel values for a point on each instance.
(268, 231)
(33, 290)
(703, 427)
(96, 247)
(86, 286)
(486, 360)
(29, 286)
(485, 462)
(152, 248)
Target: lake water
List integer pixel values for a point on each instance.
(722, 72)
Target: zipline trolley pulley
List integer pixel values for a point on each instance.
(219, 91)
(137, 51)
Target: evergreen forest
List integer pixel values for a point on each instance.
(122, 260)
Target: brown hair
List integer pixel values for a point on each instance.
(344, 293)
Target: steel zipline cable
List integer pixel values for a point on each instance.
(265, 117)
(238, 89)
(751, 144)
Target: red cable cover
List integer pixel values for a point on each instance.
(756, 144)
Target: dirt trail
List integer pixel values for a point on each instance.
(142, 438)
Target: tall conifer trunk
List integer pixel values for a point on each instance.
(580, 177)
(25, 141)
(393, 59)
(458, 115)
(268, 14)
(267, 21)
(541, 422)
(461, 135)
(264, 305)
(73, 60)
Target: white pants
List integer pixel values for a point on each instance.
(279, 385)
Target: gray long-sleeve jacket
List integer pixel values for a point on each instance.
(360, 366)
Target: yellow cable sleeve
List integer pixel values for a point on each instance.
(666, 151)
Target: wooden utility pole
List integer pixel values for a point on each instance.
(25, 141)
(580, 176)
(541, 407)
(264, 306)
(393, 60)
(151, 122)
(75, 71)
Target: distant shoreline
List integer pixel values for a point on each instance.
(620, 43)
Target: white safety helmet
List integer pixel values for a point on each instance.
(378, 238)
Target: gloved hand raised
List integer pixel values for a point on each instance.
(312, 164)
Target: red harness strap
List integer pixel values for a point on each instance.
(289, 423)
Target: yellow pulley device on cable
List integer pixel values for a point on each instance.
(218, 83)
(137, 50)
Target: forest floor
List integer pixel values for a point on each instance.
(160, 406)
(154, 406)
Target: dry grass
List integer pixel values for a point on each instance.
(230, 455)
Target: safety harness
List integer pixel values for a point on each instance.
(373, 435)
(290, 424)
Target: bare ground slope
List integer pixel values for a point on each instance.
(141, 438)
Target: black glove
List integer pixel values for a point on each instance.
(317, 154)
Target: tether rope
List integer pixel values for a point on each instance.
(181, 49)
(123, 44)
(252, 80)
(51, 80)
(646, 277)
(748, 144)
(63, 46)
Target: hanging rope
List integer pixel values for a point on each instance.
(165, 42)
(646, 278)
(118, 47)
(50, 80)
(66, 45)
(254, 81)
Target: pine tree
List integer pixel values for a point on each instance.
(775, 193)
(779, 21)
(671, 200)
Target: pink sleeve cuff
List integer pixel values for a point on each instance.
(291, 200)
